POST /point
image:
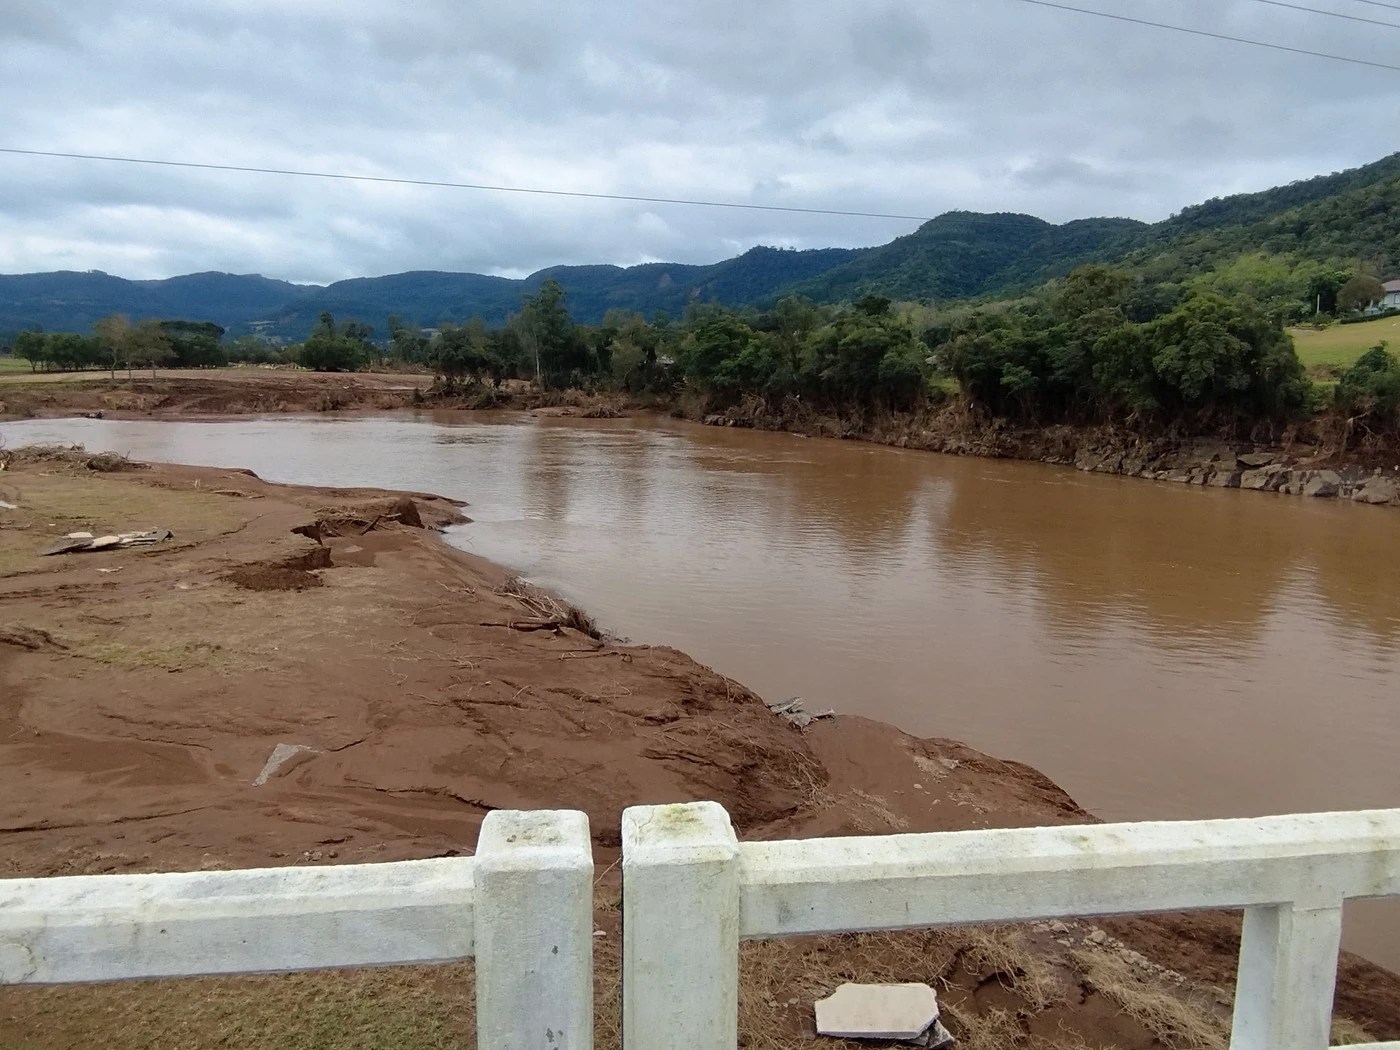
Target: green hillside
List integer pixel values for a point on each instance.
(1284, 247)
(430, 298)
(961, 255)
(1350, 220)
(69, 300)
(1353, 216)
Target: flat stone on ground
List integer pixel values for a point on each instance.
(877, 1011)
(281, 755)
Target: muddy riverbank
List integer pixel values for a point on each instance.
(1304, 465)
(145, 689)
(1294, 468)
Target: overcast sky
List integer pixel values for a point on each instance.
(914, 108)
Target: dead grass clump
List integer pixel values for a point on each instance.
(996, 1029)
(1002, 952)
(601, 406)
(1065, 1039)
(416, 1008)
(549, 609)
(487, 397)
(111, 463)
(871, 813)
(1346, 1032)
(103, 462)
(578, 620)
(333, 521)
(607, 992)
(1179, 1020)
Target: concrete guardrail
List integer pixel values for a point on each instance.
(691, 891)
(522, 908)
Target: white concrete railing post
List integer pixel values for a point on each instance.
(680, 928)
(1287, 978)
(534, 932)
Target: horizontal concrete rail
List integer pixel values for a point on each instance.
(1007, 875)
(118, 927)
(1291, 874)
(522, 906)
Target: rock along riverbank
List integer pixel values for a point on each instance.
(1296, 469)
(1293, 470)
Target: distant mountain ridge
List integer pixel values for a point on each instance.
(1351, 215)
(430, 297)
(74, 300)
(67, 300)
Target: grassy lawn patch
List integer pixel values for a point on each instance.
(1335, 349)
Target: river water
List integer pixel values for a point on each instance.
(1160, 651)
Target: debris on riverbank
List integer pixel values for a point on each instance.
(1297, 467)
(795, 711)
(140, 710)
(1293, 469)
(219, 393)
(80, 542)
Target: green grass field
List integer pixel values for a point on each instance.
(12, 364)
(1335, 349)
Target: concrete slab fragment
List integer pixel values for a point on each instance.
(936, 1038)
(877, 1011)
(281, 755)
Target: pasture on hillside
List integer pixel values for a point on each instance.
(1330, 351)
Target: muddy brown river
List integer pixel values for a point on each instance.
(1160, 651)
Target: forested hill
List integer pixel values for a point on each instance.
(1349, 219)
(429, 298)
(1247, 208)
(72, 301)
(964, 254)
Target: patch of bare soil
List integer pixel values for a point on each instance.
(142, 690)
(214, 392)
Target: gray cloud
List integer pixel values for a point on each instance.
(914, 108)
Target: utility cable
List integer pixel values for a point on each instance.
(1328, 14)
(391, 180)
(1377, 3)
(1213, 36)
(459, 185)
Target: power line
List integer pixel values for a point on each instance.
(459, 185)
(1213, 36)
(961, 216)
(1377, 3)
(1329, 14)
